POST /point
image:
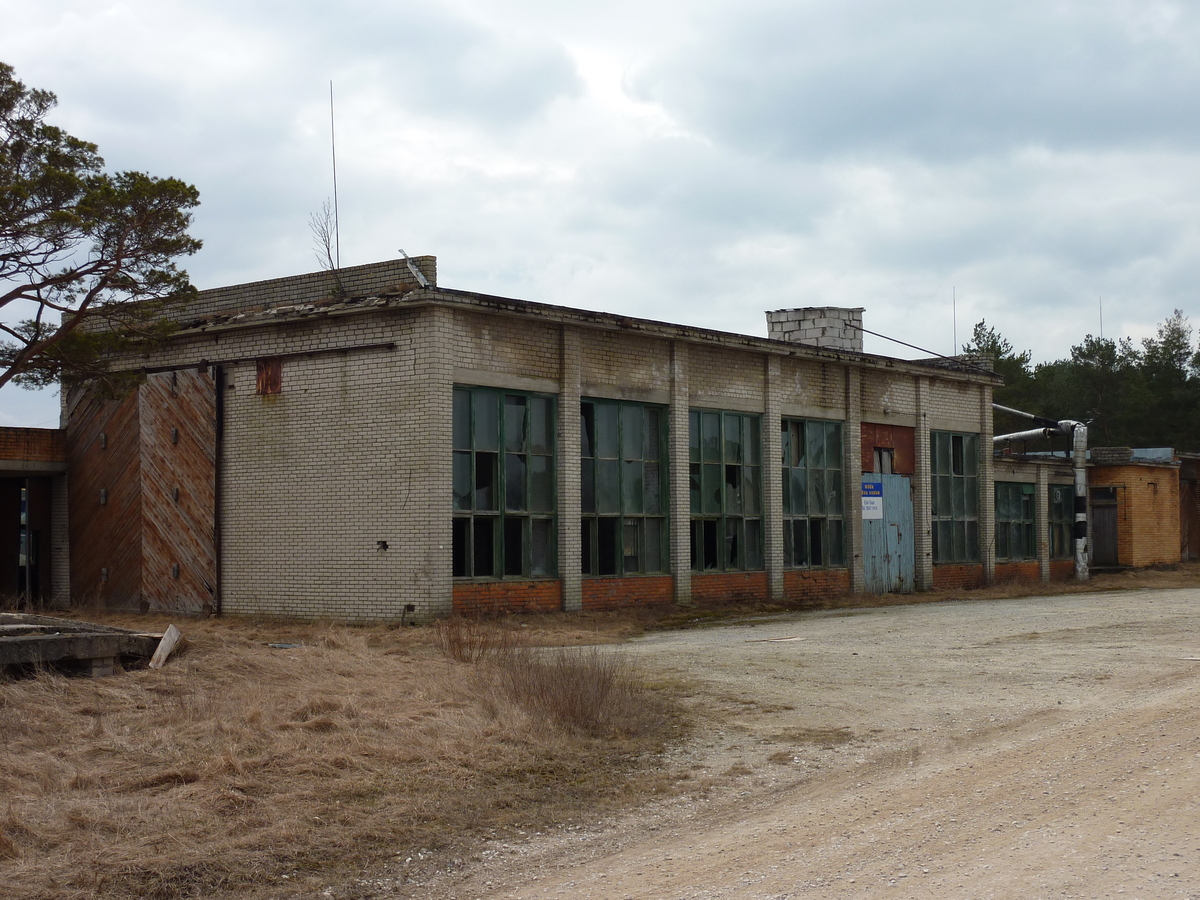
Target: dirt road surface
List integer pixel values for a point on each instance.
(1030, 748)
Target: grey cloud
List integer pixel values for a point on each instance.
(429, 58)
(936, 78)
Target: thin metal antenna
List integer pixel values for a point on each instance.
(1101, 318)
(954, 317)
(337, 239)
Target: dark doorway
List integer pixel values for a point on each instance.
(1104, 527)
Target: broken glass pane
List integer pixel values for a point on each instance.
(541, 430)
(514, 423)
(462, 480)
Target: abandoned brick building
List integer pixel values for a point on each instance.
(384, 448)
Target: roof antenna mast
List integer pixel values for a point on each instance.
(954, 318)
(337, 241)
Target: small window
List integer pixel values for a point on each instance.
(884, 460)
(269, 379)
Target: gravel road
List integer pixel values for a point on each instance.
(1029, 748)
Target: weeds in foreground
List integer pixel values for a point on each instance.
(251, 771)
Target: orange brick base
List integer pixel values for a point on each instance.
(1027, 570)
(810, 584)
(496, 597)
(960, 577)
(726, 587)
(619, 593)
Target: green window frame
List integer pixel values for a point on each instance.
(725, 475)
(623, 488)
(504, 485)
(814, 533)
(954, 483)
(1016, 521)
(1061, 507)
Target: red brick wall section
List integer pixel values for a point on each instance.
(33, 444)
(957, 577)
(618, 593)
(497, 597)
(810, 584)
(900, 438)
(1062, 569)
(735, 587)
(1017, 571)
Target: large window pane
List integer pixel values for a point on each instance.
(712, 489)
(711, 437)
(608, 486)
(462, 420)
(733, 439)
(487, 420)
(633, 487)
(607, 432)
(654, 537)
(631, 432)
(733, 490)
(754, 544)
(631, 545)
(541, 548)
(752, 495)
(541, 483)
(816, 444)
(655, 502)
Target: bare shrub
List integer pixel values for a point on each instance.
(473, 640)
(587, 690)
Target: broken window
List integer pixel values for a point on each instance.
(623, 468)
(725, 475)
(503, 484)
(954, 483)
(269, 376)
(813, 494)
(1016, 537)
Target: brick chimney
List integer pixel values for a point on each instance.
(831, 327)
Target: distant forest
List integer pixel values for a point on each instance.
(1131, 396)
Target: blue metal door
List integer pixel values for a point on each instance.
(887, 534)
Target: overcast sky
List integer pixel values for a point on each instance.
(695, 162)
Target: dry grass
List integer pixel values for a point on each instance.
(239, 764)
